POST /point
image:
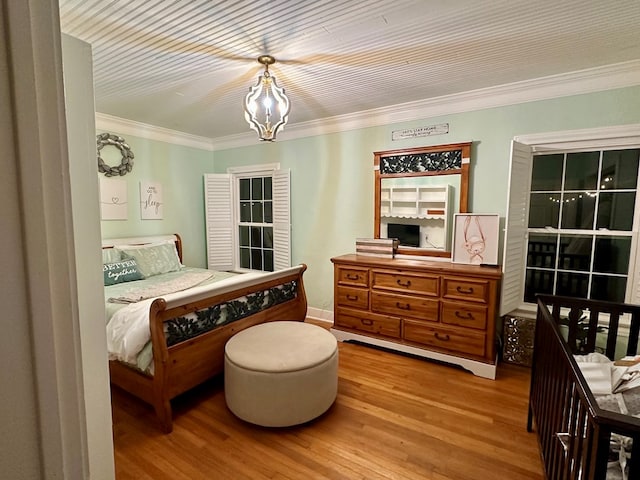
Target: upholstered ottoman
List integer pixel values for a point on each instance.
(281, 373)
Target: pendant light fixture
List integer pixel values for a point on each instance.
(266, 107)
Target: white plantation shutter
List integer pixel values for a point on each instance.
(219, 221)
(281, 219)
(515, 237)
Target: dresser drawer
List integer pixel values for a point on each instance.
(457, 340)
(353, 276)
(405, 282)
(465, 289)
(464, 315)
(352, 297)
(405, 306)
(368, 322)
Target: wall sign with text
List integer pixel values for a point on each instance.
(150, 200)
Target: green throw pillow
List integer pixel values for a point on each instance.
(153, 259)
(110, 255)
(118, 272)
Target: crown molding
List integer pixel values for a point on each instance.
(609, 77)
(143, 130)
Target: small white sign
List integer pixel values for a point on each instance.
(150, 201)
(439, 129)
(113, 199)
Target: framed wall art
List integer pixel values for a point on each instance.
(151, 203)
(113, 199)
(475, 238)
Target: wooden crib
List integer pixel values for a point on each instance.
(574, 433)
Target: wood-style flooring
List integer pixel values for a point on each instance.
(395, 417)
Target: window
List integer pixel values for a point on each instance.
(572, 218)
(247, 212)
(255, 225)
(581, 214)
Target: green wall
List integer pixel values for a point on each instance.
(180, 171)
(332, 175)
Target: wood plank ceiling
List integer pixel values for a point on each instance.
(186, 65)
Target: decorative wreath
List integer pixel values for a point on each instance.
(126, 163)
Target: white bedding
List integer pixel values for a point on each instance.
(128, 332)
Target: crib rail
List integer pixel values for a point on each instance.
(574, 433)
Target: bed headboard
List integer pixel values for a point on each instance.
(110, 242)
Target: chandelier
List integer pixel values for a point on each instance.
(266, 107)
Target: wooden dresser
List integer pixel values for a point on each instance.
(439, 310)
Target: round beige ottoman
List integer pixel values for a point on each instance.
(282, 373)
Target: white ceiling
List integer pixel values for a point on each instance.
(187, 65)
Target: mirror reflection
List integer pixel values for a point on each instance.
(419, 210)
(417, 193)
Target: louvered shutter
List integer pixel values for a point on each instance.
(281, 219)
(515, 237)
(219, 224)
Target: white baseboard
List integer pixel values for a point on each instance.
(320, 315)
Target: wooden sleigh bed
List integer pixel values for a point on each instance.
(195, 355)
(578, 438)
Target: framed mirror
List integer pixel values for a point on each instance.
(417, 191)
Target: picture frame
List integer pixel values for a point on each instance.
(475, 238)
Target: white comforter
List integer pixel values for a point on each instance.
(128, 329)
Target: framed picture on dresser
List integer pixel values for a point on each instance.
(475, 238)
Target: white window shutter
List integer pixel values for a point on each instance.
(281, 220)
(219, 224)
(515, 237)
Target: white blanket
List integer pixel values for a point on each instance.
(128, 331)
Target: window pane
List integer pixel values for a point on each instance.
(575, 252)
(245, 258)
(541, 251)
(245, 212)
(582, 171)
(267, 237)
(268, 194)
(268, 261)
(256, 188)
(572, 284)
(612, 255)
(256, 237)
(607, 288)
(578, 210)
(256, 259)
(245, 189)
(243, 237)
(547, 172)
(615, 210)
(537, 281)
(544, 210)
(268, 212)
(620, 169)
(256, 212)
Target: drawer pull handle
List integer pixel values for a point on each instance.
(444, 338)
(404, 284)
(403, 306)
(353, 277)
(353, 298)
(366, 321)
(466, 291)
(467, 316)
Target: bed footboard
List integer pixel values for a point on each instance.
(574, 433)
(185, 354)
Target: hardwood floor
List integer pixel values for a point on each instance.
(395, 417)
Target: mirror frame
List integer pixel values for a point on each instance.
(434, 166)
